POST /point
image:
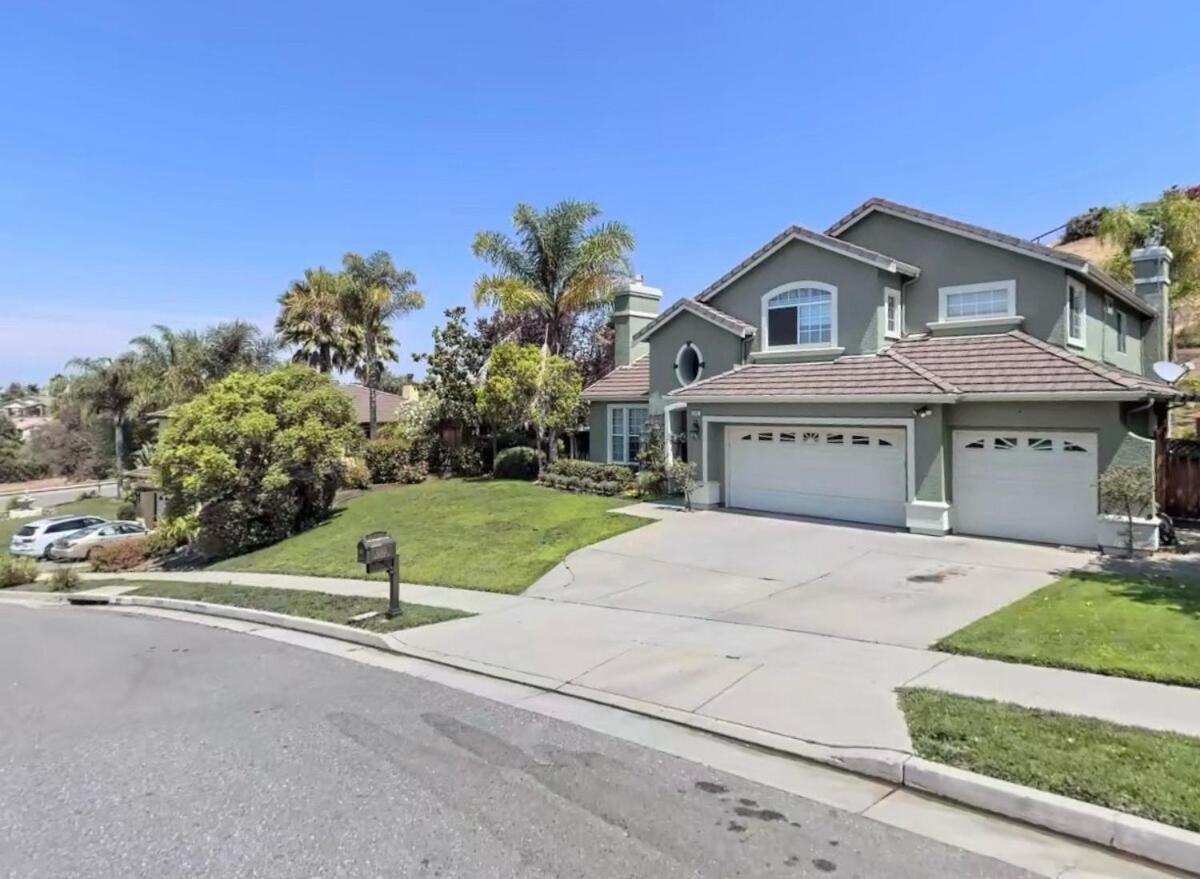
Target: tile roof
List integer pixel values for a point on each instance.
(387, 405)
(828, 242)
(952, 367)
(713, 315)
(1063, 258)
(623, 383)
(872, 375)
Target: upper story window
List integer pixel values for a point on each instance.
(892, 322)
(968, 302)
(689, 364)
(800, 315)
(1076, 314)
(1119, 328)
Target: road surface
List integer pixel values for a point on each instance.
(135, 746)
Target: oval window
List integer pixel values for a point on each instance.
(689, 364)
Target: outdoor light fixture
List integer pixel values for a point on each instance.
(922, 412)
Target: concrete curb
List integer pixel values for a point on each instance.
(1152, 840)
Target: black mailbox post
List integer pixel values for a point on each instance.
(377, 551)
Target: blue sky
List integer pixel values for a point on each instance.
(180, 163)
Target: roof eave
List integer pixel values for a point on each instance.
(814, 398)
(679, 308)
(633, 398)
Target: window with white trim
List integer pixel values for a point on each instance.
(1119, 329)
(626, 424)
(892, 324)
(689, 364)
(967, 302)
(1076, 314)
(800, 315)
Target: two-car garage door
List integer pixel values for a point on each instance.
(853, 473)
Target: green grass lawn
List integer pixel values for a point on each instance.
(96, 506)
(1136, 628)
(302, 603)
(1152, 774)
(498, 536)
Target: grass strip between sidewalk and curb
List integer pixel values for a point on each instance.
(300, 603)
(1136, 627)
(1154, 775)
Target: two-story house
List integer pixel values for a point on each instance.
(901, 369)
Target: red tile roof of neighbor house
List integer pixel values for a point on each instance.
(623, 383)
(1012, 363)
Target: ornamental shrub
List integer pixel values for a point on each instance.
(385, 457)
(593, 470)
(519, 462)
(16, 571)
(258, 456)
(355, 474)
(162, 542)
(64, 580)
(124, 555)
(410, 474)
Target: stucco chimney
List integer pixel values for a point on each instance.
(634, 306)
(1152, 282)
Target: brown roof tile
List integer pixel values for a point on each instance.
(869, 375)
(623, 383)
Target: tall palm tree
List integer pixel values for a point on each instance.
(108, 386)
(375, 293)
(171, 366)
(235, 346)
(557, 267)
(311, 318)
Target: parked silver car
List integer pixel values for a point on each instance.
(35, 538)
(80, 545)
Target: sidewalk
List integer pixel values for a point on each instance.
(821, 690)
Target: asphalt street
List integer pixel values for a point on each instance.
(134, 746)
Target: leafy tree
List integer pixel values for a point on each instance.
(238, 345)
(108, 387)
(70, 444)
(453, 369)
(527, 388)
(1174, 220)
(18, 391)
(375, 293)
(257, 456)
(557, 267)
(15, 463)
(685, 476)
(173, 366)
(1127, 491)
(311, 318)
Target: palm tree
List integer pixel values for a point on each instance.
(311, 318)
(375, 293)
(108, 386)
(235, 346)
(558, 266)
(171, 367)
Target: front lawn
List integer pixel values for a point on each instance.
(1124, 626)
(303, 603)
(498, 536)
(1152, 774)
(95, 506)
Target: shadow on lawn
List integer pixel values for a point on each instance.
(1168, 582)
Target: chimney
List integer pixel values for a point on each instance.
(634, 306)
(1152, 282)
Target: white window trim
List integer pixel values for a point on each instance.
(608, 433)
(801, 285)
(1079, 341)
(699, 369)
(1009, 286)
(890, 293)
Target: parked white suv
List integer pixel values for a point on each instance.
(35, 538)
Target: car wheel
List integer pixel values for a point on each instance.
(46, 555)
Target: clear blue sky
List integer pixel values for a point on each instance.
(180, 163)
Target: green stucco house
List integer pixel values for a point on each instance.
(901, 369)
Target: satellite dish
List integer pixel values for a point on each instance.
(1170, 372)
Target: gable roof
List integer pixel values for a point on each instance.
(1066, 260)
(706, 312)
(387, 405)
(630, 382)
(946, 369)
(817, 239)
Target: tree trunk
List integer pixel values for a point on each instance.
(119, 451)
(552, 445)
(372, 381)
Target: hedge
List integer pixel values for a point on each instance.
(575, 468)
(520, 462)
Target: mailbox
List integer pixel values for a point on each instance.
(377, 551)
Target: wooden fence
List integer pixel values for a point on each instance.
(1180, 479)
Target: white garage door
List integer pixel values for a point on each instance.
(831, 472)
(1026, 485)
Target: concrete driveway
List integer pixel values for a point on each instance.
(819, 577)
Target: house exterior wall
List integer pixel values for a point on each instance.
(860, 293)
(721, 350)
(946, 260)
(598, 439)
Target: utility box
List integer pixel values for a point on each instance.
(377, 551)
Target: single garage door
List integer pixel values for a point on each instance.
(832, 472)
(1026, 485)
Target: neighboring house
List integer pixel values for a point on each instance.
(903, 369)
(387, 405)
(28, 414)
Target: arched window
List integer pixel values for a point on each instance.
(689, 364)
(800, 315)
